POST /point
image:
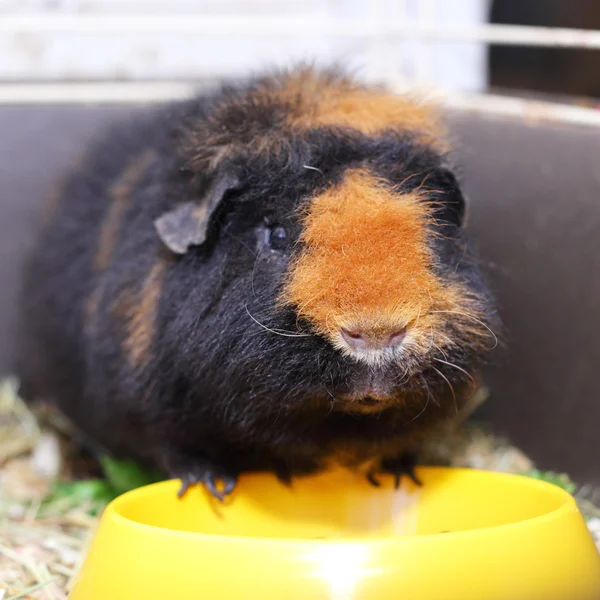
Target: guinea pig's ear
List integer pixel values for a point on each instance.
(187, 224)
(455, 205)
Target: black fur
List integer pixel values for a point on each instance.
(220, 389)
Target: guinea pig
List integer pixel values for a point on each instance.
(274, 276)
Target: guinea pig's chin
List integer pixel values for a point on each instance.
(369, 391)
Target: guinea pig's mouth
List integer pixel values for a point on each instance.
(364, 390)
(371, 401)
(367, 404)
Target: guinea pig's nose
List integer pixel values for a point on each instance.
(372, 339)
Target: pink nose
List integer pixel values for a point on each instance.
(365, 339)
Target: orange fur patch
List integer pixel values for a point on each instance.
(309, 99)
(365, 257)
(365, 263)
(120, 193)
(139, 311)
(316, 100)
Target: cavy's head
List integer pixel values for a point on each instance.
(325, 266)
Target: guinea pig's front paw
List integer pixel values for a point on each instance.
(402, 465)
(207, 473)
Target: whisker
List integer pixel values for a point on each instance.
(449, 385)
(456, 367)
(314, 169)
(468, 316)
(404, 378)
(438, 348)
(300, 309)
(281, 332)
(418, 316)
(424, 408)
(428, 390)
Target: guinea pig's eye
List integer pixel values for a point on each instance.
(276, 237)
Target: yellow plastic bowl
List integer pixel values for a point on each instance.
(464, 535)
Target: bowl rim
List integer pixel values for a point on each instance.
(568, 505)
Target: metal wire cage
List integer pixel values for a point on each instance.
(121, 51)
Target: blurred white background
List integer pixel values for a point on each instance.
(193, 40)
